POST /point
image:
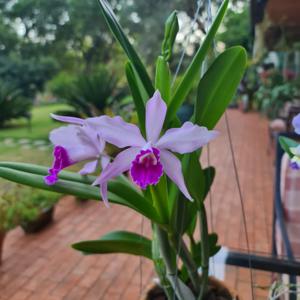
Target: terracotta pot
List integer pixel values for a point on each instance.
(44, 219)
(217, 290)
(2, 237)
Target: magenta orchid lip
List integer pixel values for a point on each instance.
(146, 168)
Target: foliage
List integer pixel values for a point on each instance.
(12, 104)
(20, 204)
(89, 94)
(236, 29)
(271, 99)
(28, 76)
(169, 212)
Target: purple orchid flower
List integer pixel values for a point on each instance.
(296, 123)
(148, 159)
(73, 144)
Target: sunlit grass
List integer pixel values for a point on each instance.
(41, 124)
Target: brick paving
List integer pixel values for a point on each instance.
(43, 266)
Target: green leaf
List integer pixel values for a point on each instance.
(118, 192)
(194, 177)
(218, 86)
(136, 95)
(42, 170)
(117, 242)
(159, 194)
(163, 78)
(193, 71)
(119, 34)
(287, 143)
(212, 241)
(209, 174)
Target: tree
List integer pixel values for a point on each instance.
(236, 29)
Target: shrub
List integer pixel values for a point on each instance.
(12, 104)
(89, 94)
(22, 204)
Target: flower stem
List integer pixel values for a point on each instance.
(167, 253)
(204, 250)
(188, 261)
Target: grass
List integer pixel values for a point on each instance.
(41, 124)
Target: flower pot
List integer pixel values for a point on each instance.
(44, 219)
(2, 237)
(217, 290)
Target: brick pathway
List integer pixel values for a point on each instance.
(44, 267)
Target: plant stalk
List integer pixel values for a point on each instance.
(181, 290)
(187, 260)
(204, 251)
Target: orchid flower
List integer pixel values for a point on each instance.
(295, 161)
(296, 123)
(147, 159)
(75, 143)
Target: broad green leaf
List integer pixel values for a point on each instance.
(121, 37)
(185, 212)
(136, 95)
(163, 78)
(193, 71)
(194, 177)
(287, 143)
(118, 192)
(218, 86)
(117, 242)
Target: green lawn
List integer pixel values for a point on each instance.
(41, 124)
(31, 150)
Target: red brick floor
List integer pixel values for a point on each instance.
(44, 267)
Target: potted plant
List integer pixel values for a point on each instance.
(11, 212)
(40, 208)
(167, 185)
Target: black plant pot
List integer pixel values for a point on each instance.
(44, 219)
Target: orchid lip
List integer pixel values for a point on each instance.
(146, 169)
(61, 161)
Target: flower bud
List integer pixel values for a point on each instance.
(171, 30)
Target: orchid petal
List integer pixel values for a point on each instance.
(172, 167)
(296, 123)
(66, 119)
(156, 110)
(105, 159)
(117, 132)
(75, 140)
(103, 192)
(89, 167)
(186, 139)
(121, 163)
(295, 150)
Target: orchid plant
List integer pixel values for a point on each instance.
(166, 183)
(291, 147)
